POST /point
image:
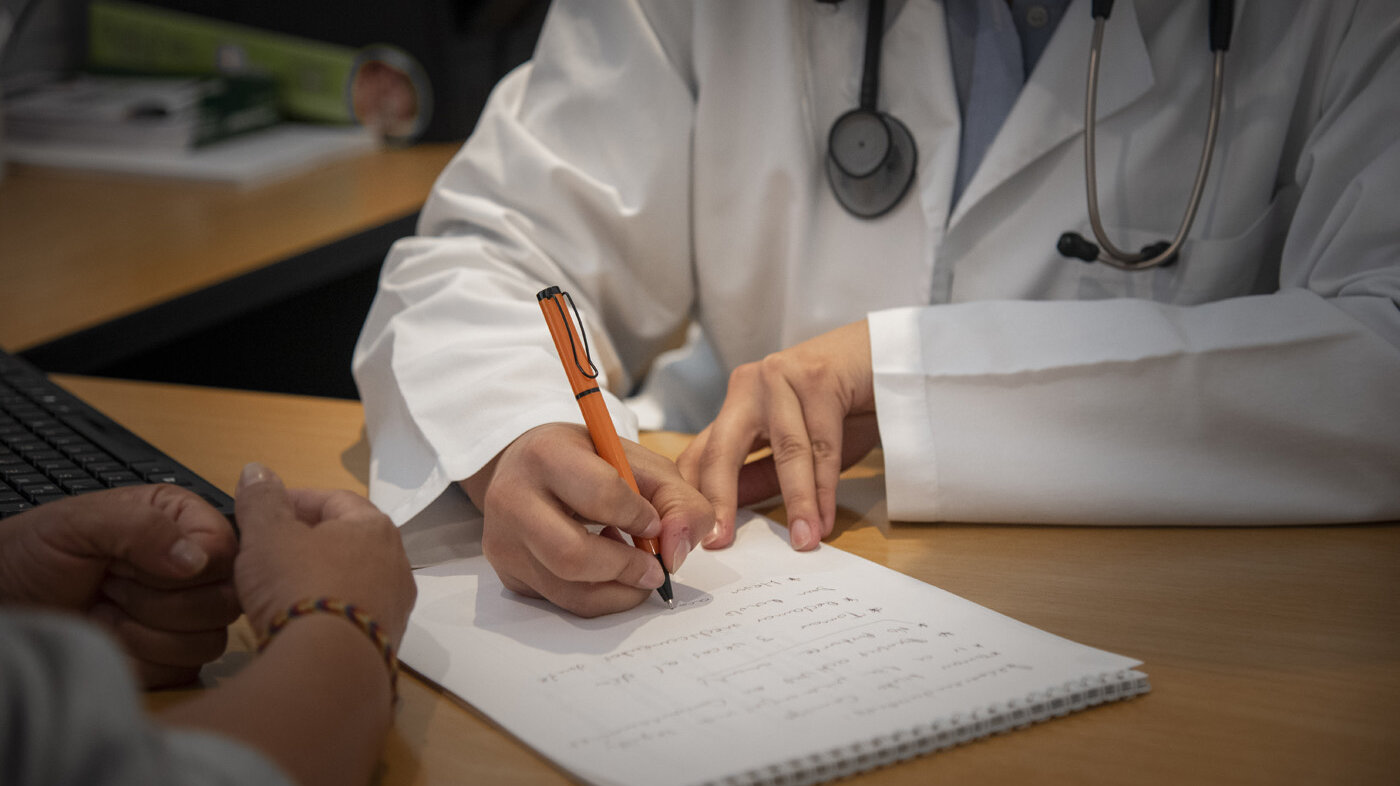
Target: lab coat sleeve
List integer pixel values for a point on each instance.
(1281, 408)
(577, 175)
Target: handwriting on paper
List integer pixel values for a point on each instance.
(786, 649)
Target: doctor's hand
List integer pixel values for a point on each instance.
(152, 564)
(814, 405)
(538, 494)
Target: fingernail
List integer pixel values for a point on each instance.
(678, 555)
(654, 577)
(253, 473)
(188, 556)
(801, 535)
(712, 538)
(652, 530)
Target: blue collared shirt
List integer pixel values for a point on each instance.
(995, 45)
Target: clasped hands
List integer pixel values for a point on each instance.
(812, 405)
(165, 574)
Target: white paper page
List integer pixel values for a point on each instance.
(770, 656)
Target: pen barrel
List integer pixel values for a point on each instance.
(605, 438)
(586, 391)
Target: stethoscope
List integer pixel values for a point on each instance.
(871, 155)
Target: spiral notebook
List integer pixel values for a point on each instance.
(774, 667)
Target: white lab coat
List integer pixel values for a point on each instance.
(663, 161)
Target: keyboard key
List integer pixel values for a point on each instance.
(64, 437)
(50, 466)
(17, 442)
(24, 413)
(69, 474)
(86, 454)
(31, 478)
(36, 490)
(167, 477)
(120, 477)
(11, 508)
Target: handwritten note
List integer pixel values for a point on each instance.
(773, 661)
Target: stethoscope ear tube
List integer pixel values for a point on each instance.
(1164, 252)
(1073, 245)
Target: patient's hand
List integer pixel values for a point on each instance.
(152, 564)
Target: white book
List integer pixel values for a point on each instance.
(251, 159)
(140, 112)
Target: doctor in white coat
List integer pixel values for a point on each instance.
(665, 163)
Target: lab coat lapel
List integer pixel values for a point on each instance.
(920, 92)
(1050, 108)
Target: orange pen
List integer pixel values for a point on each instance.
(595, 409)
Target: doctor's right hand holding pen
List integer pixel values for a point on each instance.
(539, 493)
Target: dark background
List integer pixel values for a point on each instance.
(291, 326)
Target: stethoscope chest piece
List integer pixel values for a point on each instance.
(870, 161)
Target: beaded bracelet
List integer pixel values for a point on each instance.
(349, 611)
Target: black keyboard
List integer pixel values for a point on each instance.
(53, 445)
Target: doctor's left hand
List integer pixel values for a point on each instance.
(152, 564)
(813, 404)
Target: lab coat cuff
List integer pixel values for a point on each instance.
(453, 465)
(902, 410)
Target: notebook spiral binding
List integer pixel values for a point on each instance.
(947, 732)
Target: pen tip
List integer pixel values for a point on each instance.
(665, 589)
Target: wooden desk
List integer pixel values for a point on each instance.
(182, 281)
(79, 249)
(1274, 653)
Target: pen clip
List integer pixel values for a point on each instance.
(578, 320)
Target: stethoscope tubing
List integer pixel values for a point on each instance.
(853, 180)
(1110, 254)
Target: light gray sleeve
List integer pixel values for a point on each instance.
(70, 714)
